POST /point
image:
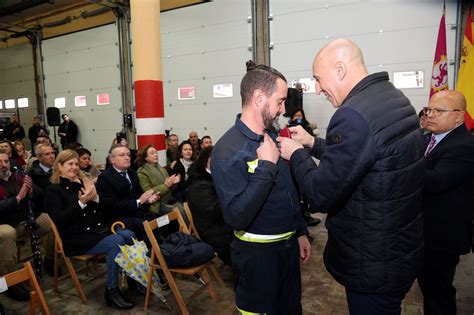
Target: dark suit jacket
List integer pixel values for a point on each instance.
(118, 199)
(448, 191)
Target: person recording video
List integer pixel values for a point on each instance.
(299, 119)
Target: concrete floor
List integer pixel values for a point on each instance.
(321, 294)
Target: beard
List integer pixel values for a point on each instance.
(5, 173)
(270, 123)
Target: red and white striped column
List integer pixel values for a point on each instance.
(147, 73)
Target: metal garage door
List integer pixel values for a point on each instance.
(82, 71)
(393, 35)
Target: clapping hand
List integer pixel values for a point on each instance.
(172, 180)
(88, 191)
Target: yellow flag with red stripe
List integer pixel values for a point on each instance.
(466, 71)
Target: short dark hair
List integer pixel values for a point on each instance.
(258, 77)
(201, 162)
(205, 137)
(82, 151)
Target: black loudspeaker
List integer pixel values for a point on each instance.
(54, 116)
(294, 101)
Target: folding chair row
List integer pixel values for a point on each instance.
(36, 296)
(157, 261)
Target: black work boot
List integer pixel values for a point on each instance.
(113, 297)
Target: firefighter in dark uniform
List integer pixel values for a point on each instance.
(260, 201)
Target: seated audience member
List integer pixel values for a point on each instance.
(133, 153)
(43, 138)
(86, 164)
(121, 197)
(205, 207)
(19, 147)
(15, 191)
(41, 169)
(181, 167)
(172, 153)
(72, 203)
(206, 141)
(153, 176)
(16, 161)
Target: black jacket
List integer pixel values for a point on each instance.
(71, 130)
(9, 135)
(203, 202)
(370, 182)
(80, 229)
(118, 197)
(448, 192)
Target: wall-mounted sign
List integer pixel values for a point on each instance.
(60, 102)
(103, 99)
(187, 93)
(222, 90)
(307, 85)
(408, 79)
(80, 101)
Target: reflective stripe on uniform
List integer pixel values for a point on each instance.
(242, 312)
(252, 166)
(259, 238)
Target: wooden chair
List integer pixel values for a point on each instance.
(193, 231)
(24, 274)
(59, 250)
(202, 270)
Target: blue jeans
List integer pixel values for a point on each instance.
(110, 245)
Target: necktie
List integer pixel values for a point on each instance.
(431, 145)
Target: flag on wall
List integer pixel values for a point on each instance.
(439, 76)
(466, 71)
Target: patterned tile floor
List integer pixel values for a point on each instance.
(322, 295)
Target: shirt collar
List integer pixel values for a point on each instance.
(440, 136)
(44, 168)
(239, 124)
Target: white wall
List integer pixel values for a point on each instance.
(85, 64)
(396, 35)
(203, 45)
(17, 80)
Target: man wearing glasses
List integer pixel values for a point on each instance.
(121, 197)
(447, 199)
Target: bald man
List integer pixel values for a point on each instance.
(369, 180)
(447, 199)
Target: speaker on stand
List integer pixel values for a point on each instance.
(54, 119)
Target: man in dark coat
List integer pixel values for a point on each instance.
(121, 197)
(13, 130)
(15, 192)
(34, 131)
(369, 180)
(447, 199)
(67, 131)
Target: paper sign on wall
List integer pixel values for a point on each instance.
(103, 99)
(222, 90)
(80, 101)
(187, 93)
(307, 85)
(408, 79)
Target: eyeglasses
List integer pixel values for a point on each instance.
(438, 111)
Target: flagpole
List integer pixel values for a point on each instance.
(458, 43)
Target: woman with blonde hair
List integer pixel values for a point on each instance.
(71, 201)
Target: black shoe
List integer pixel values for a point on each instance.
(49, 267)
(136, 286)
(113, 297)
(18, 293)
